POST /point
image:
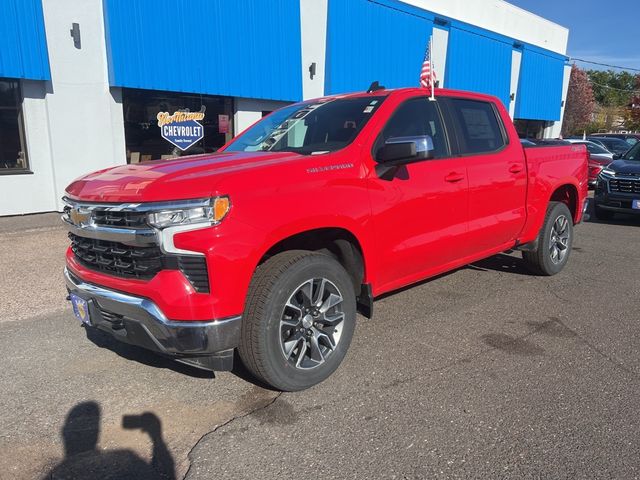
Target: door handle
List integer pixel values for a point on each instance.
(515, 168)
(454, 177)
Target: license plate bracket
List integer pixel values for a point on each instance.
(635, 204)
(80, 309)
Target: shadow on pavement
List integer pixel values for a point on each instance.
(619, 219)
(501, 263)
(83, 458)
(140, 355)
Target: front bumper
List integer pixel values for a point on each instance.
(618, 209)
(615, 201)
(138, 321)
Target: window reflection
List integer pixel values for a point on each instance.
(13, 151)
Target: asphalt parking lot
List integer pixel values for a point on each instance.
(486, 372)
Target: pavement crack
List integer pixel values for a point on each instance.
(228, 422)
(609, 358)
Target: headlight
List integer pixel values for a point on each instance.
(608, 171)
(211, 213)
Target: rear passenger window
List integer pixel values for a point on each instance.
(480, 131)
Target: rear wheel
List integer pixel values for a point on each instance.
(298, 321)
(554, 242)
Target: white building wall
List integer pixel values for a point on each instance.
(555, 130)
(32, 192)
(516, 61)
(439, 54)
(85, 119)
(313, 29)
(248, 111)
(504, 18)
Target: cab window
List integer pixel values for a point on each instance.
(479, 129)
(413, 118)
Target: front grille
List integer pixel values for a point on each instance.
(109, 218)
(138, 262)
(195, 269)
(116, 320)
(117, 258)
(624, 185)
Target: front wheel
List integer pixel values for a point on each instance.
(554, 242)
(298, 321)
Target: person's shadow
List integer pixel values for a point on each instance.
(82, 460)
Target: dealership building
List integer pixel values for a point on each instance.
(82, 81)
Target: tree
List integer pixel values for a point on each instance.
(580, 104)
(632, 111)
(612, 89)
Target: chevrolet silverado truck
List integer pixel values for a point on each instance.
(269, 247)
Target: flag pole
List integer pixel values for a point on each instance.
(432, 70)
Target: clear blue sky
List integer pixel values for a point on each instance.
(601, 31)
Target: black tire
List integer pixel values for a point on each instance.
(542, 261)
(602, 214)
(282, 280)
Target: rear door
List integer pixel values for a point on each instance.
(496, 171)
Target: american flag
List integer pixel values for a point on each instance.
(427, 74)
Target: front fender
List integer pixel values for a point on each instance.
(235, 251)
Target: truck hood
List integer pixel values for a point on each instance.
(176, 179)
(625, 167)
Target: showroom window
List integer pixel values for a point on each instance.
(13, 148)
(531, 128)
(144, 137)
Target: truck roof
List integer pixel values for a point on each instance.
(383, 92)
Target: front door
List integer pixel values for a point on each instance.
(419, 215)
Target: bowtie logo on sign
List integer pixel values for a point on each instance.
(181, 129)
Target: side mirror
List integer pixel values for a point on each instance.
(616, 156)
(403, 150)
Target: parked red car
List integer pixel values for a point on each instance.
(599, 158)
(270, 246)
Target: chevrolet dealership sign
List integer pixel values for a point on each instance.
(182, 129)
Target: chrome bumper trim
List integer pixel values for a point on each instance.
(138, 207)
(137, 237)
(142, 323)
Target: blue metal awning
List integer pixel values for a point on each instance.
(23, 50)
(540, 85)
(383, 40)
(242, 48)
(479, 63)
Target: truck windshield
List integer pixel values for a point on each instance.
(309, 128)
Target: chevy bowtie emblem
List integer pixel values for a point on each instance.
(81, 311)
(80, 217)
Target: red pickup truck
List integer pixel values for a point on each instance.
(270, 246)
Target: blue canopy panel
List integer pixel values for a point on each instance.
(479, 63)
(540, 85)
(23, 50)
(243, 48)
(383, 40)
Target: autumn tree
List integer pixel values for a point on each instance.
(632, 111)
(580, 103)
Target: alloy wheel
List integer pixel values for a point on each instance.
(311, 323)
(559, 241)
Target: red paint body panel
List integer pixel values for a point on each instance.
(410, 228)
